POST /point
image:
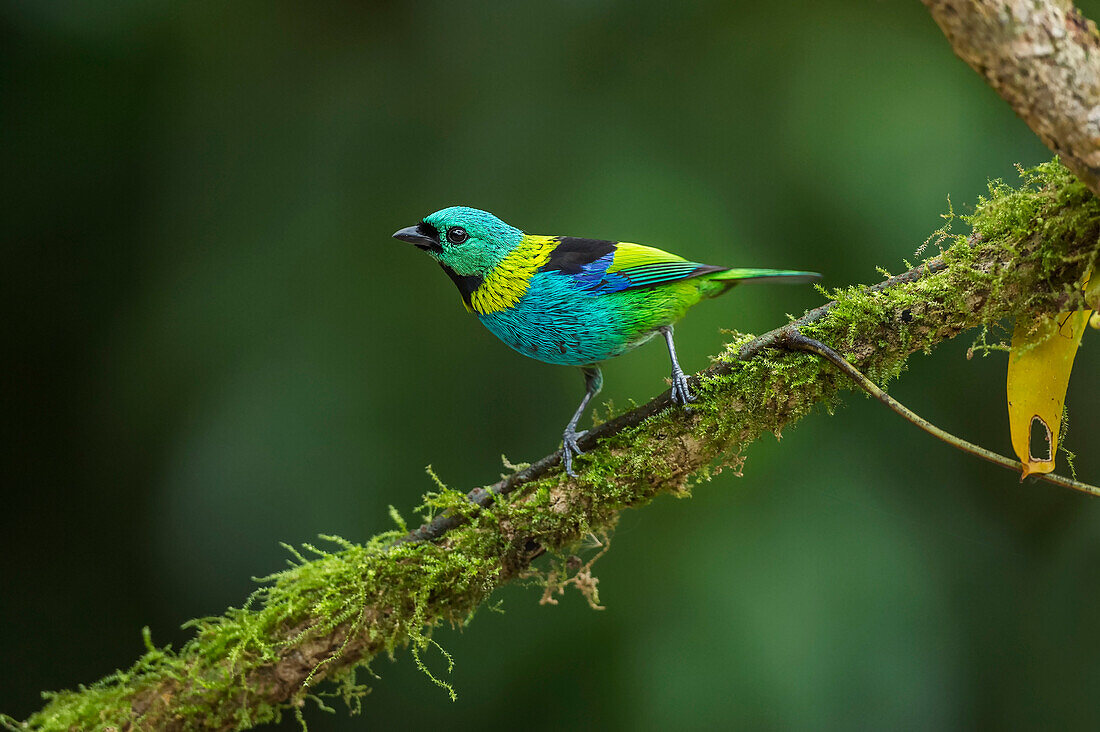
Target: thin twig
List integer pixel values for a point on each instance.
(794, 340)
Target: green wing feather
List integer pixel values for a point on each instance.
(629, 256)
(643, 266)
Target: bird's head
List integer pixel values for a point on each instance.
(468, 241)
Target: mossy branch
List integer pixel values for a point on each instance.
(331, 612)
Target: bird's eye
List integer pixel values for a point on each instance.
(457, 235)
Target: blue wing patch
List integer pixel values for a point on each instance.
(586, 262)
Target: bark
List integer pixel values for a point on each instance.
(1043, 58)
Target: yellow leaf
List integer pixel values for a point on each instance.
(1038, 375)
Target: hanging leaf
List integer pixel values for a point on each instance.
(1038, 375)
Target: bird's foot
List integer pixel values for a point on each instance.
(570, 448)
(680, 393)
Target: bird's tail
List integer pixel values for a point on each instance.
(786, 276)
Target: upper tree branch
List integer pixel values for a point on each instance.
(1043, 58)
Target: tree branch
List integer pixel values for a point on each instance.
(326, 615)
(1043, 58)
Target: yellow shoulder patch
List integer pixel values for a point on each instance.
(629, 255)
(505, 285)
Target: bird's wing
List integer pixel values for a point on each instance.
(644, 266)
(636, 266)
(601, 267)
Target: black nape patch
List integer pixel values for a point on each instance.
(572, 254)
(466, 284)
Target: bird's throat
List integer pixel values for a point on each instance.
(466, 284)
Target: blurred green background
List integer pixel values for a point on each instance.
(213, 345)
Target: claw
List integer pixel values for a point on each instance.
(681, 394)
(570, 448)
(593, 379)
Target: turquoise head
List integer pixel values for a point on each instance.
(467, 241)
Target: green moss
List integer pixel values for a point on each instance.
(339, 605)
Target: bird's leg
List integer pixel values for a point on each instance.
(593, 382)
(680, 392)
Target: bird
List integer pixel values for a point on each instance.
(572, 301)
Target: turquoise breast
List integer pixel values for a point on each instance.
(557, 323)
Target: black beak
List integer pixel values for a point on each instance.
(422, 235)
